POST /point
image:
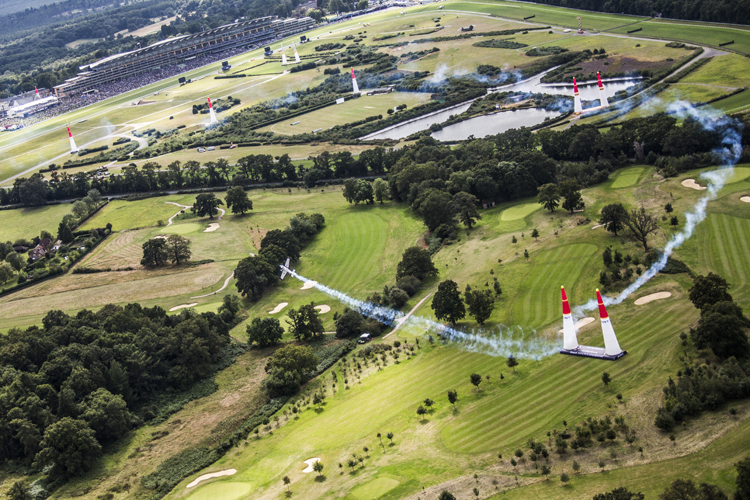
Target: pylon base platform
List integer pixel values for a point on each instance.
(593, 352)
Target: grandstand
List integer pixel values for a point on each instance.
(32, 107)
(181, 49)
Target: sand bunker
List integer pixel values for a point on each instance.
(252, 254)
(308, 285)
(310, 462)
(183, 306)
(581, 323)
(278, 308)
(228, 472)
(322, 309)
(211, 227)
(746, 199)
(652, 297)
(690, 183)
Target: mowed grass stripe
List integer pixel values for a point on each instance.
(512, 411)
(726, 250)
(539, 302)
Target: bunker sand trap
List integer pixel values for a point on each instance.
(308, 285)
(183, 306)
(746, 199)
(278, 308)
(581, 323)
(204, 477)
(322, 309)
(650, 298)
(212, 227)
(310, 462)
(690, 183)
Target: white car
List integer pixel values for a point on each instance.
(211, 148)
(201, 150)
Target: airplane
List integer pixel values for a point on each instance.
(285, 268)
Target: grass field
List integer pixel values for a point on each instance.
(29, 222)
(627, 177)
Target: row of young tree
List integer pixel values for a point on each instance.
(79, 382)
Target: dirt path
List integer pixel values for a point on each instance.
(226, 284)
(402, 320)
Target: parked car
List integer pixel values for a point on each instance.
(364, 338)
(211, 148)
(201, 150)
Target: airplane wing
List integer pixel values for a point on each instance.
(285, 268)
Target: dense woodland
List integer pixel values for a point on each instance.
(80, 382)
(720, 11)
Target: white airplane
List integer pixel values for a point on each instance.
(285, 268)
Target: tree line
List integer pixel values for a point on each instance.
(79, 382)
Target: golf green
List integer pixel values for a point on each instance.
(375, 488)
(221, 491)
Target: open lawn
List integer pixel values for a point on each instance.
(627, 177)
(29, 222)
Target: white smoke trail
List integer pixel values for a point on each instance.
(500, 341)
(729, 154)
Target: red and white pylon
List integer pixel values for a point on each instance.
(36, 94)
(611, 346)
(577, 106)
(296, 55)
(283, 56)
(602, 96)
(73, 147)
(211, 112)
(355, 87)
(570, 339)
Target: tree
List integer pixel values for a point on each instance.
(349, 323)
(154, 252)
(206, 204)
(363, 192)
(292, 358)
(6, 272)
(476, 379)
(253, 275)
(514, 240)
(465, 207)
(549, 196)
(685, 489)
(416, 262)
(80, 209)
(606, 379)
(238, 201)
(447, 303)
(382, 192)
(69, 446)
(107, 414)
(613, 217)
(722, 328)
(64, 233)
(15, 261)
(641, 224)
(619, 494)
(480, 304)
(362, 4)
(428, 403)
(264, 332)
(708, 290)
(564, 478)
(571, 191)
(390, 437)
(546, 471)
(452, 398)
(305, 322)
(535, 234)
(19, 491)
(512, 363)
(674, 221)
(576, 466)
(435, 207)
(287, 481)
(178, 248)
(743, 479)
(607, 257)
(421, 411)
(668, 208)
(445, 495)
(318, 467)
(526, 254)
